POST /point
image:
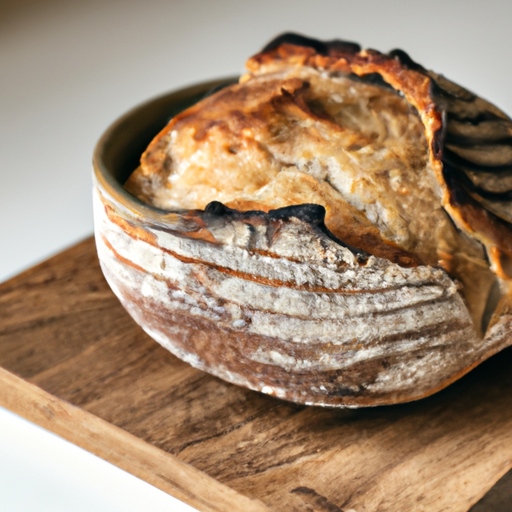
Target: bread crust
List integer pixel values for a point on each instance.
(321, 306)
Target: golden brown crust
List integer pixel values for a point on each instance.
(468, 119)
(232, 118)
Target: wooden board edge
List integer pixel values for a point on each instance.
(124, 450)
(496, 478)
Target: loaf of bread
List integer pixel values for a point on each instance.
(349, 237)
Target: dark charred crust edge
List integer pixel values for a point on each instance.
(473, 214)
(215, 212)
(406, 60)
(321, 47)
(312, 214)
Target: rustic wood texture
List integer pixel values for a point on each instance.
(220, 447)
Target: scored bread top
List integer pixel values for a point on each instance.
(377, 140)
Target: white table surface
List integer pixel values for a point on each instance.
(68, 68)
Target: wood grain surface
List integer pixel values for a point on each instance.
(97, 379)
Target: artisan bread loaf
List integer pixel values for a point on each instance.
(333, 229)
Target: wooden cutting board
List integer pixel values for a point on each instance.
(74, 362)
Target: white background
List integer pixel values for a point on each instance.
(68, 68)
